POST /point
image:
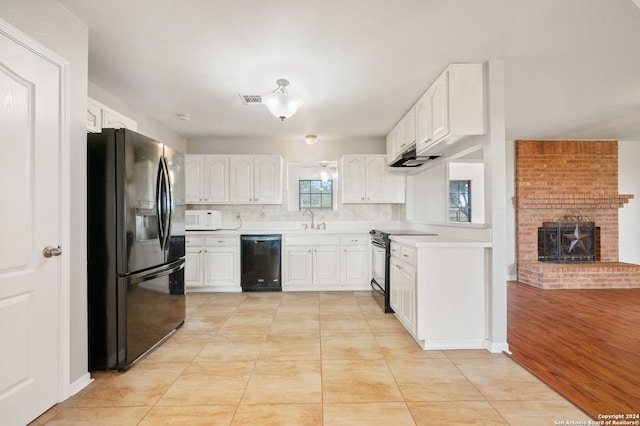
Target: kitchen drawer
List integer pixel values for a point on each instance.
(222, 241)
(395, 250)
(311, 240)
(409, 255)
(194, 241)
(355, 240)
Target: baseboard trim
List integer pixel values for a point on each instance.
(79, 384)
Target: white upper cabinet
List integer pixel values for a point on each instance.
(207, 180)
(255, 180)
(451, 109)
(365, 180)
(405, 132)
(267, 177)
(235, 179)
(100, 116)
(241, 180)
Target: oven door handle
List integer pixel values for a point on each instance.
(378, 244)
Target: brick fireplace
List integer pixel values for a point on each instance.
(566, 177)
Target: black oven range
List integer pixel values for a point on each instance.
(380, 258)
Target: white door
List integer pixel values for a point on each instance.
(30, 129)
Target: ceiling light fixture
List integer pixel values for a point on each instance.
(310, 139)
(280, 103)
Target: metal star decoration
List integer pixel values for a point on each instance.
(577, 239)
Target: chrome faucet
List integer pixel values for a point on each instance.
(312, 223)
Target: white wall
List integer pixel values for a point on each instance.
(146, 125)
(629, 215)
(49, 23)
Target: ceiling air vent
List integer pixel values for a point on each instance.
(251, 99)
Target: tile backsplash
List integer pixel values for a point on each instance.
(279, 212)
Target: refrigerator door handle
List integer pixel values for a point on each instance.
(160, 204)
(158, 274)
(169, 203)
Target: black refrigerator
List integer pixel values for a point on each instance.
(135, 246)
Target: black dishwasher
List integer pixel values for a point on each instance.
(260, 258)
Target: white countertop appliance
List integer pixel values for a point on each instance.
(203, 220)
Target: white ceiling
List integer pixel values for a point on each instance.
(572, 67)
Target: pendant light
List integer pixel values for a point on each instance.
(280, 103)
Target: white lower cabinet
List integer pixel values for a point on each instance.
(403, 289)
(326, 262)
(355, 259)
(438, 294)
(212, 263)
(312, 267)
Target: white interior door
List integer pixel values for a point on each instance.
(30, 216)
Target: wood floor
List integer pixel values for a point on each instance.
(585, 344)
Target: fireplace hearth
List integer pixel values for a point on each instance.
(567, 242)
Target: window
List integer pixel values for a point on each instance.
(460, 200)
(316, 194)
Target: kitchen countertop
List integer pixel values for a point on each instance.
(438, 241)
(344, 228)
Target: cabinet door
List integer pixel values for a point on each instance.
(405, 132)
(440, 107)
(375, 176)
(194, 175)
(216, 182)
(94, 116)
(221, 266)
(326, 265)
(395, 286)
(354, 265)
(267, 180)
(193, 269)
(408, 297)
(299, 266)
(112, 119)
(424, 126)
(241, 180)
(353, 179)
(391, 153)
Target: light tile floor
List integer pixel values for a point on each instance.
(329, 358)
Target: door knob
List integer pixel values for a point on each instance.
(50, 251)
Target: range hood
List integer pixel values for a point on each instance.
(410, 159)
